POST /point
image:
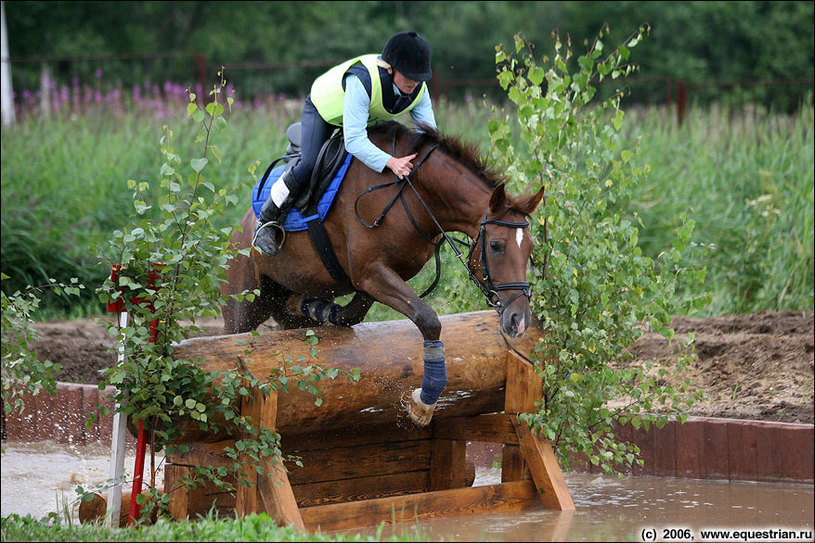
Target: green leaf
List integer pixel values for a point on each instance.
(198, 164)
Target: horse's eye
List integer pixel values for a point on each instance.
(497, 246)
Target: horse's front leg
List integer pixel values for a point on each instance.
(389, 288)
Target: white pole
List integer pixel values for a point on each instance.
(117, 449)
(7, 102)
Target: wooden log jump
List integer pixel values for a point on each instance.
(362, 457)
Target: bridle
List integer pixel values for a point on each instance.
(488, 287)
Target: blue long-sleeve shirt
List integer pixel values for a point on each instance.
(355, 122)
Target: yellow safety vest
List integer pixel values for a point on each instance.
(328, 94)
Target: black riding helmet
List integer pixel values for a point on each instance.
(409, 54)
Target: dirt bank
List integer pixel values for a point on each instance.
(757, 366)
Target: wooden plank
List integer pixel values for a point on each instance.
(327, 464)
(203, 454)
(277, 497)
(491, 428)
(179, 504)
(366, 488)
(513, 465)
(271, 492)
(545, 469)
(500, 498)
(524, 386)
(448, 464)
(524, 389)
(353, 462)
(359, 435)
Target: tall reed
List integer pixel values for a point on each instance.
(746, 178)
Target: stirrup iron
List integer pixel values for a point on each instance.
(278, 237)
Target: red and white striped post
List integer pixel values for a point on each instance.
(120, 422)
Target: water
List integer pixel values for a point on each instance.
(42, 477)
(36, 475)
(612, 509)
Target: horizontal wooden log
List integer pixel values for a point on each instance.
(390, 358)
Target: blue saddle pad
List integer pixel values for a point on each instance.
(295, 221)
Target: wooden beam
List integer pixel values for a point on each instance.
(524, 385)
(500, 498)
(389, 356)
(271, 492)
(366, 488)
(491, 428)
(543, 464)
(524, 389)
(448, 468)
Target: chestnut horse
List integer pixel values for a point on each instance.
(383, 231)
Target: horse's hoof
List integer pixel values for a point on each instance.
(420, 413)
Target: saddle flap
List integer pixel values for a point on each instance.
(332, 155)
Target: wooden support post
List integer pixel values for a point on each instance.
(448, 464)
(535, 454)
(542, 462)
(272, 492)
(180, 504)
(524, 388)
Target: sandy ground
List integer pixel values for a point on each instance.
(754, 366)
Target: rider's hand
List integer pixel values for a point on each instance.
(401, 166)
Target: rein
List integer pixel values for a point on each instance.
(489, 289)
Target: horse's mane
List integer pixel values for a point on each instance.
(465, 153)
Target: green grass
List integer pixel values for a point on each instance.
(747, 181)
(745, 177)
(252, 528)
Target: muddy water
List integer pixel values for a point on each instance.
(39, 478)
(612, 509)
(34, 476)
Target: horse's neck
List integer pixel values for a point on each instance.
(459, 196)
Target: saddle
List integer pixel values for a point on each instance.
(312, 205)
(331, 157)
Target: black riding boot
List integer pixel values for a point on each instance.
(269, 234)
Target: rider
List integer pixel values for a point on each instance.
(358, 93)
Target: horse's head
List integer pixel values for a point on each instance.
(499, 256)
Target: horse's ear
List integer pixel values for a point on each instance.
(530, 204)
(498, 199)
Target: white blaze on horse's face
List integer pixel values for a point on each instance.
(519, 236)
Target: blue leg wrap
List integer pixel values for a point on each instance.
(435, 372)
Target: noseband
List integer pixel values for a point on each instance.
(489, 288)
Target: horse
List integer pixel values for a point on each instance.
(380, 245)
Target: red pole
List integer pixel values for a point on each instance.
(141, 439)
(681, 100)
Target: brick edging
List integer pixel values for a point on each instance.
(701, 448)
(63, 418)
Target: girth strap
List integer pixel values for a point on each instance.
(319, 237)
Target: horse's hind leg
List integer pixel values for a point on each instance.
(247, 315)
(324, 311)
